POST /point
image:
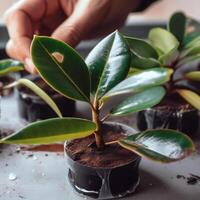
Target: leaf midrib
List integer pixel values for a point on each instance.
(73, 83)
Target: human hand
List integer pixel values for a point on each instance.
(67, 20)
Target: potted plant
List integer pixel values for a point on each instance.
(103, 157)
(178, 48)
(31, 106)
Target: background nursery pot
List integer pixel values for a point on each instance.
(32, 107)
(172, 113)
(110, 180)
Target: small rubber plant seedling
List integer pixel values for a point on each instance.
(104, 74)
(178, 48)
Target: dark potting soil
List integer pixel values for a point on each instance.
(191, 180)
(112, 155)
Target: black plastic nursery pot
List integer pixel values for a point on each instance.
(108, 180)
(32, 107)
(173, 114)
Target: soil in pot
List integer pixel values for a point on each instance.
(32, 107)
(173, 112)
(102, 174)
(6, 80)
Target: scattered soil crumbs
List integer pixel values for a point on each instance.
(85, 152)
(191, 180)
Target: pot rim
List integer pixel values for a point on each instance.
(127, 128)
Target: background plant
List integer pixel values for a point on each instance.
(104, 74)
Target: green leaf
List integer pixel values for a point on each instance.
(38, 91)
(62, 67)
(163, 40)
(195, 75)
(51, 131)
(143, 63)
(188, 84)
(109, 63)
(188, 60)
(191, 97)
(141, 48)
(141, 81)
(159, 145)
(140, 101)
(177, 25)
(192, 30)
(8, 65)
(169, 58)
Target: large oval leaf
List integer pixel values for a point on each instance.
(8, 65)
(109, 63)
(163, 40)
(177, 25)
(62, 67)
(140, 101)
(195, 75)
(159, 145)
(141, 81)
(51, 130)
(191, 97)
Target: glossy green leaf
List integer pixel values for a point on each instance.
(195, 75)
(188, 60)
(51, 131)
(141, 81)
(142, 62)
(191, 97)
(177, 25)
(141, 48)
(38, 91)
(8, 65)
(192, 30)
(163, 40)
(109, 63)
(62, 67)
(195, 50)
(159, 145)
(140, 101)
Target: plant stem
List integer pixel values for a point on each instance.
(97, 121)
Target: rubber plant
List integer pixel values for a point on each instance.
(177, 47)
(103, 75)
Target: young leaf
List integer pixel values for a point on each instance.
(163, 40)
(177, 25)
(139, 101)
(109, 63)
(141, 81)
(141, 48)
(62, 67)
(195, 75)
(191, 97)
(159, 145)
(142, 62)
(8, 65)
(51, 130)
(37, 90)
(192, 30)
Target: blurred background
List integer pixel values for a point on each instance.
(159, 11)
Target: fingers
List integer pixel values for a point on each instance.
(20, 24)
(86, 15)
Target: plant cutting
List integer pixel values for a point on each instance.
(103, 157)
(177, 48)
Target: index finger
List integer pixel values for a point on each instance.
(20, 21)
